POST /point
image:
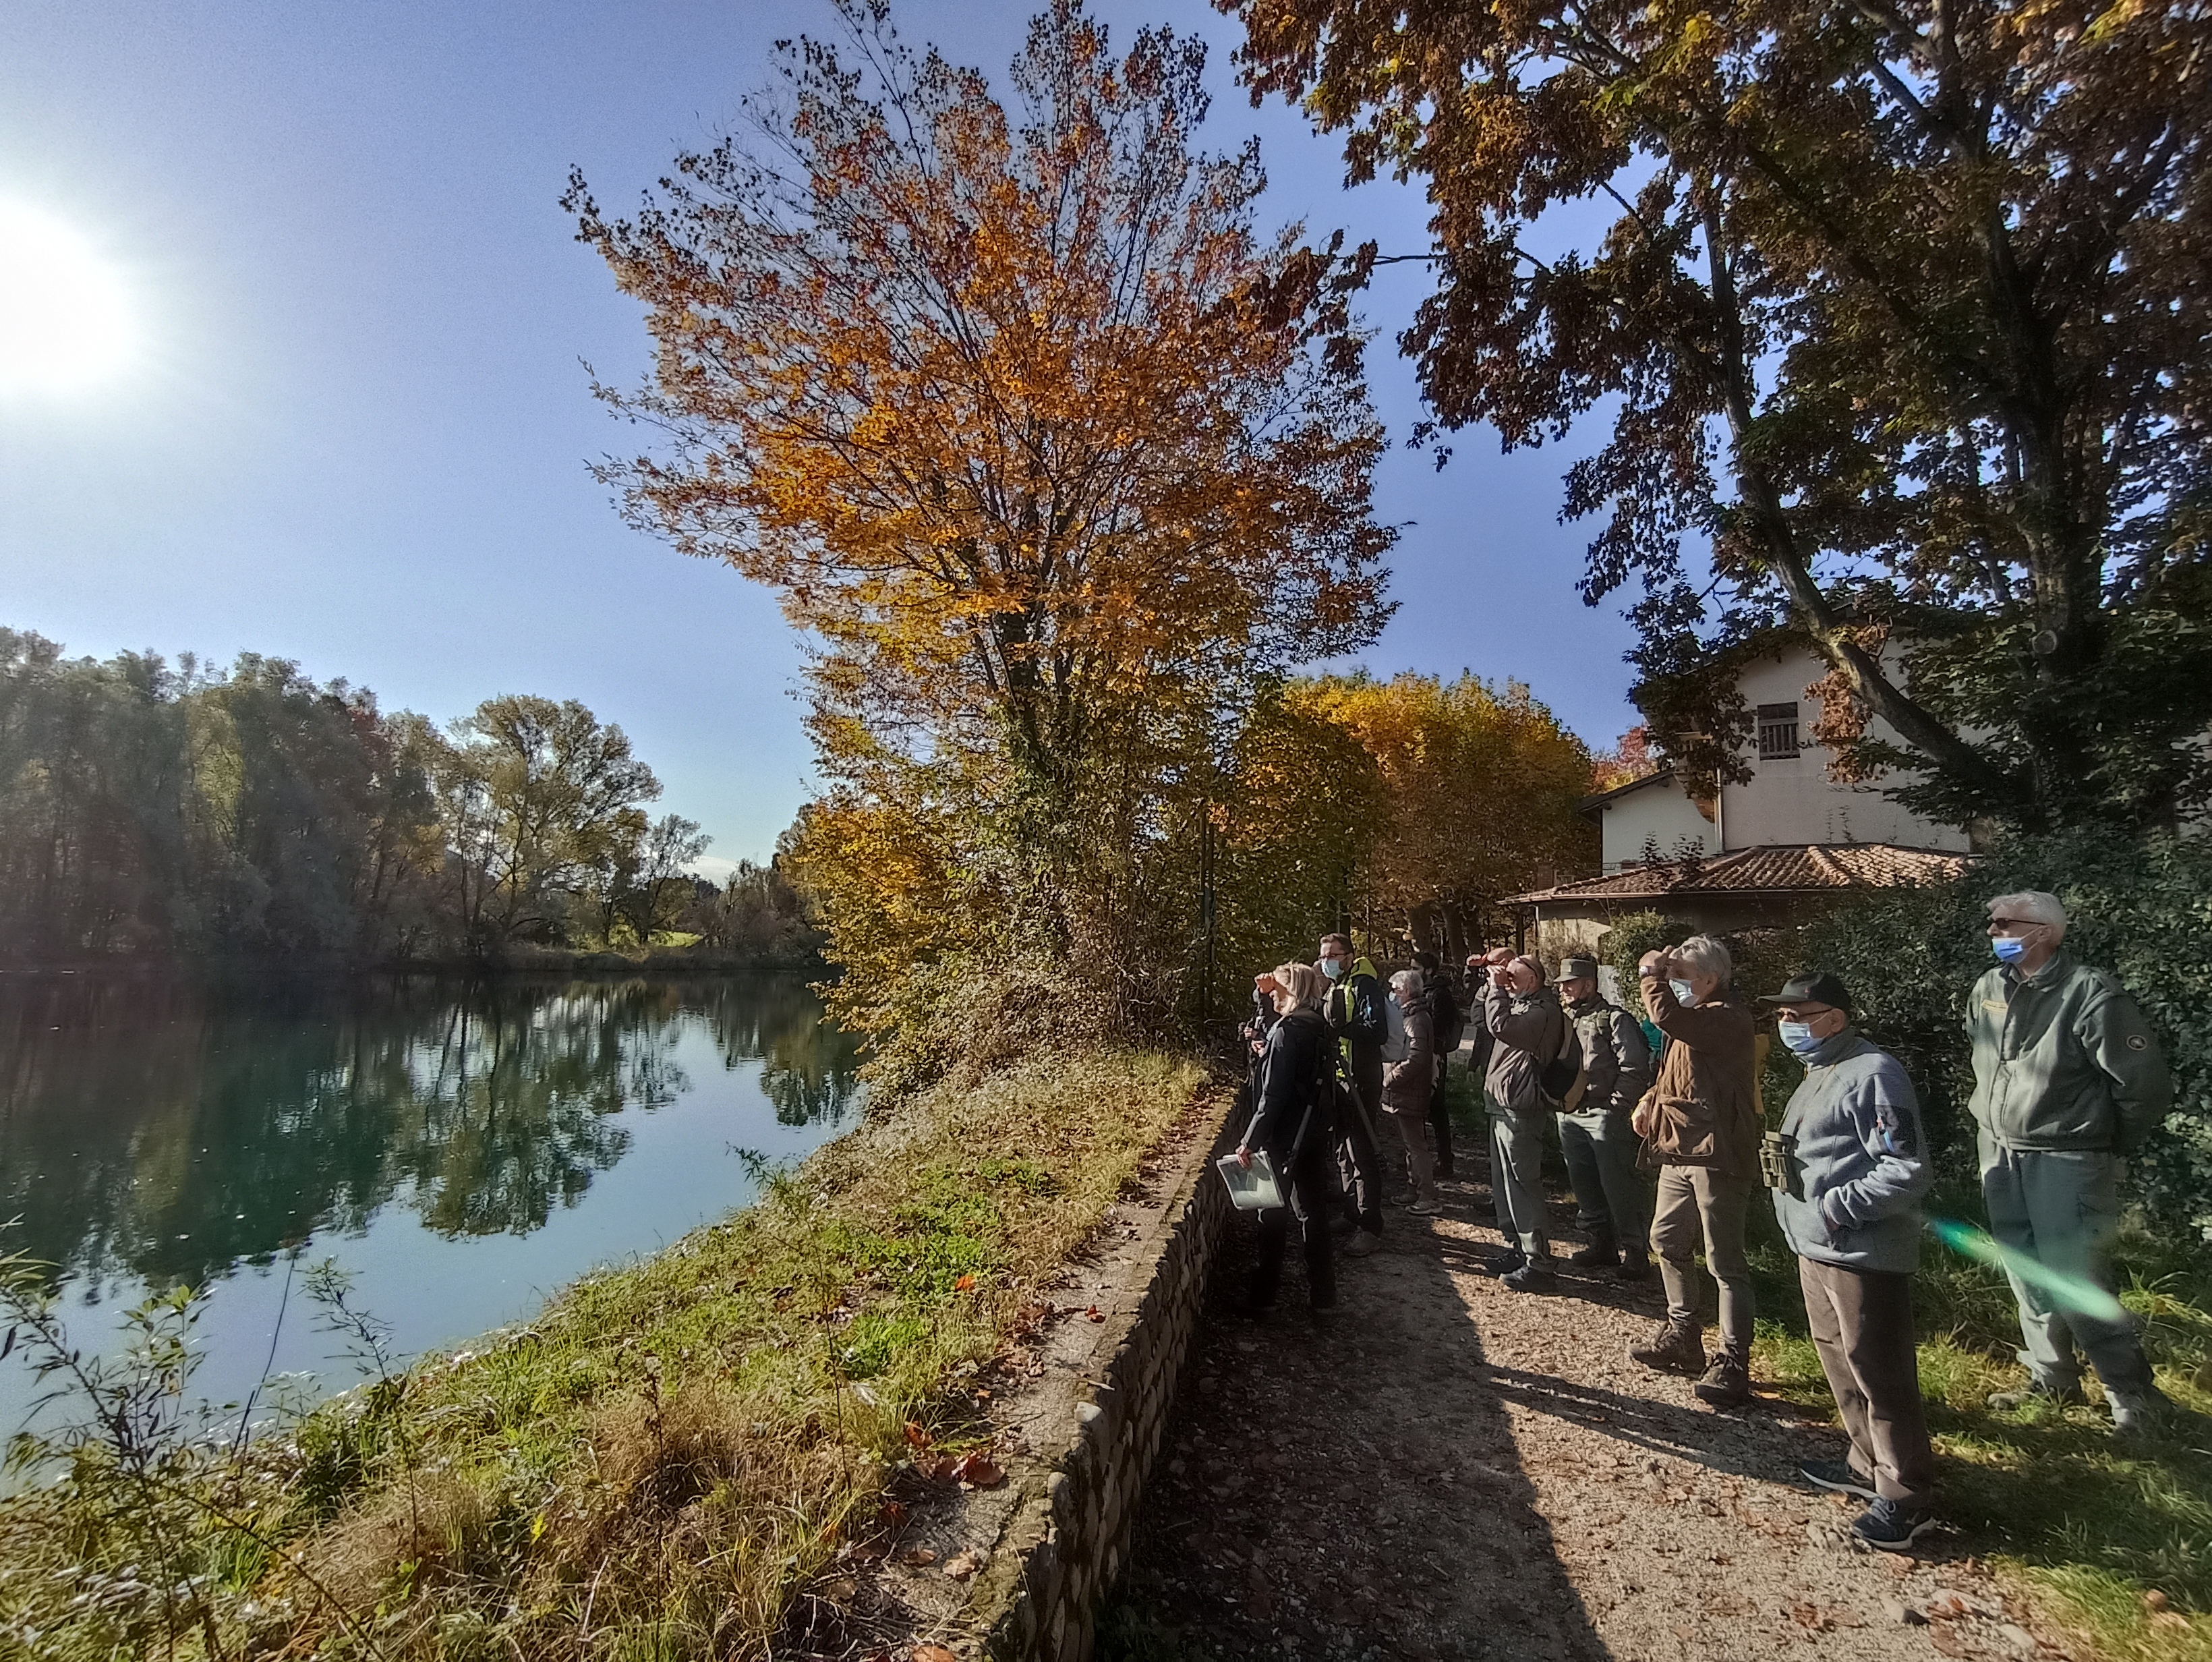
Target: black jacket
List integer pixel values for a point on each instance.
(1293, 1108)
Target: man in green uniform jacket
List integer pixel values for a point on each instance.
(2069, 1081)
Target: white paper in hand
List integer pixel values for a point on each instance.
(1252, 1187)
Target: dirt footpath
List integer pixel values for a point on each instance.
(1447, 1469)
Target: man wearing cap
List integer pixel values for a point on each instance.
(2069, 1081)
(1848, 1168)
(1595, 1134)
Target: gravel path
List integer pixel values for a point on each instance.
(1449, 1468)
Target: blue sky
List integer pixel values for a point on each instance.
(358, 431)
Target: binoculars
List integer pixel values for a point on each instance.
(1778, 1167)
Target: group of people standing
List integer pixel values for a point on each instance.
(1661, 1123)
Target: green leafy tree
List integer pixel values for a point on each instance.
(1901, 315)
(538, 799)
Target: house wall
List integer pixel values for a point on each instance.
(1661, 813)
(1793, 800)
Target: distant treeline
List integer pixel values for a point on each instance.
(152, 809)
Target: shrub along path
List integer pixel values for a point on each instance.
(1450, 1470)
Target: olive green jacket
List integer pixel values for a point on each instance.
(2064, 1060)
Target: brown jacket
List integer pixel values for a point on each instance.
(1703, 1111)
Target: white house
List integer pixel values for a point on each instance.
(1787, 838)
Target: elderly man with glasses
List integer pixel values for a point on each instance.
(2069, 1081)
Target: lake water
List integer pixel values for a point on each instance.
(463, 1149)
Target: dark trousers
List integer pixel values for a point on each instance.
(1862, 1322)
(1308, 1190)
(1359, 1163)
(1440, 1119)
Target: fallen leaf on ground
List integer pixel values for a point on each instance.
(960, 1565)
(963, 1284)
(917, 1436)
(932, 1653)
(892, 1514)
(918, 1557)
(974, 1471)
(1095, 1314)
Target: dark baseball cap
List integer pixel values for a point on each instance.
(1813, 987)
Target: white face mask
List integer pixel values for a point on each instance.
(1685, 993)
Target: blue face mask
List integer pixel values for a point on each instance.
(2008, 948)
(1685, 993)
(1331, 967)
(1798, 1036)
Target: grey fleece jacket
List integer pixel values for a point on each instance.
(1862, 1160)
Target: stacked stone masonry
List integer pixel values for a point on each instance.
(1065, 1541)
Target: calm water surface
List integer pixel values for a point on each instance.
(464, 1149)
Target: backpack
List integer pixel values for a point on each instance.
(1395, 1045)
(1561, 1082)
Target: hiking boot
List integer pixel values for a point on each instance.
(1535, 1275)
(1633, 1267)
(2136, 1413)
(1597, 1253)
(1838, 1477)
(1889, 1525)
(1727, 1382)
(1426, 1208)
(1676, 1347)
(1362, 1244)
(2035, 1394)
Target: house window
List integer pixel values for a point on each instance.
(1777, 731)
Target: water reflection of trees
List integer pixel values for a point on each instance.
(170, 1131)
(808, 1067)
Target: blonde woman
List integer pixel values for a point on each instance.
(1291, 1124)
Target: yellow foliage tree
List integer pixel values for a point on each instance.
(1475, 798)
(1052, 454)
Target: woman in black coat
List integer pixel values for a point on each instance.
(1292, 1123)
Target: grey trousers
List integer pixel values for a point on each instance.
(1420, 1164)
(2063, 1209)
(1697, 1205)
(1861, 1326)
(1611, 1204)
(1516, 1178)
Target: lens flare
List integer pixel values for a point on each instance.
(2069, 1292)
(65, 316)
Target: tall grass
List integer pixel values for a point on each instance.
(652, 1468)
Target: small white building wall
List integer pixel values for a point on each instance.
(1792, 800)
(1660, 813)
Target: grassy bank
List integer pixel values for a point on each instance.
(653, 1467)
(2111, 1540)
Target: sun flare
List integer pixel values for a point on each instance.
(65, 316)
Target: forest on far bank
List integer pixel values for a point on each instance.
(183, 810)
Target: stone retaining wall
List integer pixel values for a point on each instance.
(1067, 1540)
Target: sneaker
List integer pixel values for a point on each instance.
(1532, 1278)
(2034, 1394)
(1514, 1259)
(2136, 1413)
(1888, 1526)
(1727, 1382)
(1676, 1347)
(1836, 1475)
(1635, 1267)
(1597, 1253)
(1363, 1243)
(1426, 1208)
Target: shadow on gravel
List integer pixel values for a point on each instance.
(1346, 1487)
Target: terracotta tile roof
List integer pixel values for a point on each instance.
(1808, 868)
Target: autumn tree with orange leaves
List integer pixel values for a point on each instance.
(1054, 456)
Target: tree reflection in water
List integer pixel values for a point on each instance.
(170, 1131)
